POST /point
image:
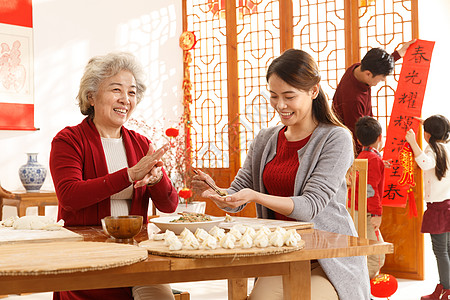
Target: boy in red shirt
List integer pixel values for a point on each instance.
(368, 132)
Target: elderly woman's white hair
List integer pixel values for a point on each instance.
(102, 67)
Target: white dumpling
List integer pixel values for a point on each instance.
(185, 232)
(280, 229)
(239, 227)
(218, 234)
(190, 242)
(227, 241)
(168, 239)
(215, 229)
(276, 239)
(168, 234)
(159, 236)
(261, 240)
(228, 218)
(294, 233)
(175, 244)
(264, 230)
(290, 239)
(201, 234)
(54, 226)
(246, 241)
(250, 231)
(236, 233)
(210, 243)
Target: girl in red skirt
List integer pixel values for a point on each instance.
(435, 162)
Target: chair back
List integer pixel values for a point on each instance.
(357, 177)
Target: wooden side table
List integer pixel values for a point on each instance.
(24, 200)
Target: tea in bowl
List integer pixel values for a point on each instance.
(122, 228)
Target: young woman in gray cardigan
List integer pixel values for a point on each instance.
(297, 171)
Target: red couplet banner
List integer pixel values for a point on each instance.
(16, 63)
(407, 105)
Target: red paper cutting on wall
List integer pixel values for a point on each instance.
(407, 105)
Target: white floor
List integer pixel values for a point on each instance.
(217, 290)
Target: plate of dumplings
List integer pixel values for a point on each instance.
(216, 242)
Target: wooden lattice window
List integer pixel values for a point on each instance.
(237, 40)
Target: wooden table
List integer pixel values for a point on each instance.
(24, 199)
(293, 266)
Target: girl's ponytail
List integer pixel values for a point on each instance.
(439, 129)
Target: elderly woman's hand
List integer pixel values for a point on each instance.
(148, 167)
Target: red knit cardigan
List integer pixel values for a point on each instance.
(83, 187)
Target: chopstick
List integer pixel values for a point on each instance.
(211, 185)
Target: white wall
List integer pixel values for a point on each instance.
(434, 25)
(69, 32)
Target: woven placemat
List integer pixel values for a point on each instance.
(66, 257)
(158, 248)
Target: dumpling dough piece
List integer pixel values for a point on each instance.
(9, 222)
(33, 222)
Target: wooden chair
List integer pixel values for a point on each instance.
(357, 175)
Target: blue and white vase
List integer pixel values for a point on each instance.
(32, 174)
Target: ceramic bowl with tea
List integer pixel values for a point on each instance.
(122, 228)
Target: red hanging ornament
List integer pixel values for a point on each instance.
(187, 40)
(383, 285)
(185, 193)
(172, 132)
(406, 159)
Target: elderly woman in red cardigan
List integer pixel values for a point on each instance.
(100, 168)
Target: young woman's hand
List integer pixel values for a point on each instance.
(241, 197)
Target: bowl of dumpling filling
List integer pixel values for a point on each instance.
(191, 221)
